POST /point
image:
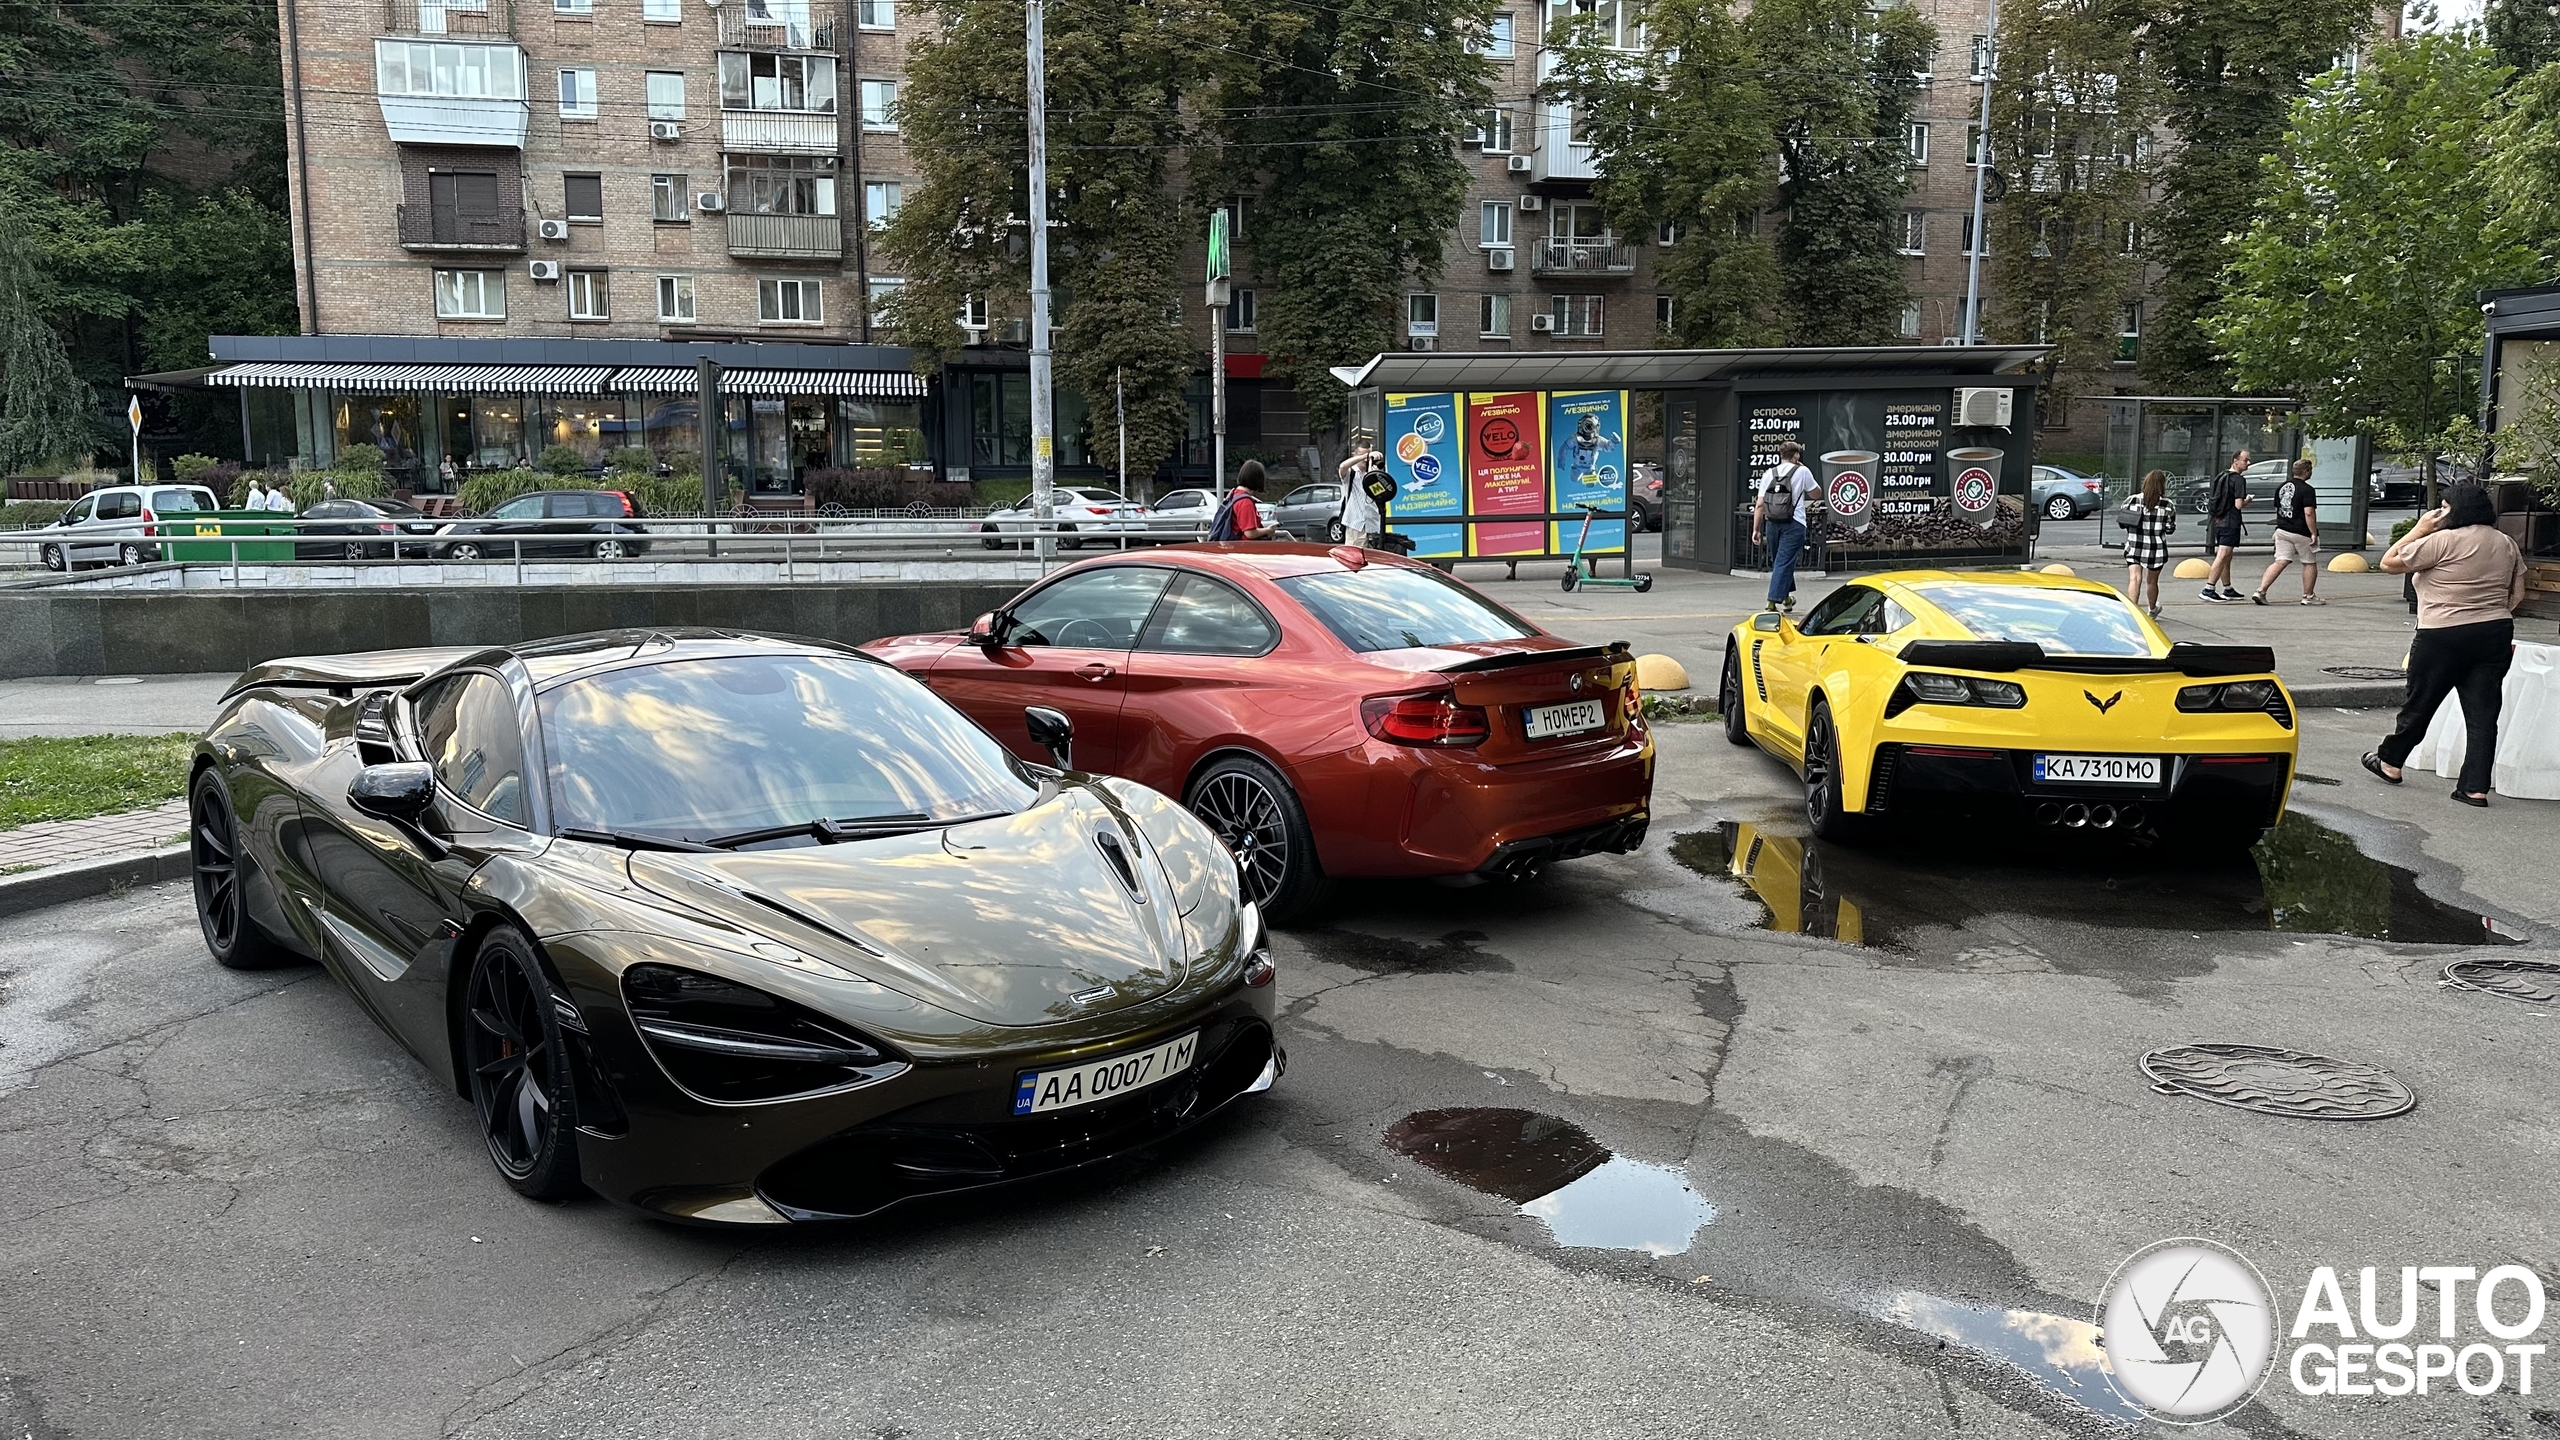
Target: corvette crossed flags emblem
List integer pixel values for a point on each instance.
(2103, 705)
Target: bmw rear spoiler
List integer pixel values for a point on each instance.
(1614, 651)
(2003, 655)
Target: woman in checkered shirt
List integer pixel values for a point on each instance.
(2148, 521)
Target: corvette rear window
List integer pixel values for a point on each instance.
(2064, 622)
(1382, 608)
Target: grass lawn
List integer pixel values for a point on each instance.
(77, 776)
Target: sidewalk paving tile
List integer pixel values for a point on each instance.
(100, 837)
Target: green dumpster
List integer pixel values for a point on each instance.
(209, 535)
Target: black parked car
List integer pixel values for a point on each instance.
(382, 524)
(549, 522)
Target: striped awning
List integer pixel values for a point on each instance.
(863, 384)
(656, 380)
(397, 378)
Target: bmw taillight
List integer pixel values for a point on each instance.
(1097, 509)
(625, 498)
(1434, 719)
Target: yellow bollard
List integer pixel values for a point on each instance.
(2060, 569)
(2348, 562)
(2193, 569)
(1657, 674)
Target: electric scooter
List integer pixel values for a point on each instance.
(1583, 573)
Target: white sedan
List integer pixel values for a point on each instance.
(1080, 513)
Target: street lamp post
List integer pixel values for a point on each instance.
(1044, 463)
(1981, 171)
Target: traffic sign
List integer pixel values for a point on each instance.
(133, 412)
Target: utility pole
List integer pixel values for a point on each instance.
(1981, 171)
(1120, 413)
(1044, 444)
(1218, 232)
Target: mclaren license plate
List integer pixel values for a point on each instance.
(1036, 1092)
(2098, 769)
(1548, 721)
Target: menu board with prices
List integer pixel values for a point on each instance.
(1770, 423)
(1915, 428)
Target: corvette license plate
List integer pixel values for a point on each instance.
(1548, 721)
(2098, 769)
(1036, 1092)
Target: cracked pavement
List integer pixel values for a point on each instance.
(229, 1206)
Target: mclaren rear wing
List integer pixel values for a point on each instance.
(343, 675)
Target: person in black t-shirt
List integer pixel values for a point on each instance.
(2222, 522)
(2297, 535)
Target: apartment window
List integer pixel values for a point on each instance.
(1615, 25)
(877, 14)
(1910, 319)
(973, 313)
(1422, 316)
(1667, 233)
(805, 83)
(886, 288)
(670, 201)
(2132, 238)
(2129, 337)
(789, 302)
(782, 185)
(1916, 137)
(1577, 316)
(880, 201)
(471, 295)
(1493, 317)
(675, 299)
(459, 200)
(402, 67)
(1973, 145)
(666, 94)
(1982, 58)
(1915, 232)
(590, 295)
(662, 12)
(1240, 310)
(1235, 217)
(1493, 131)
(1662, 313)
(577, 94)
(1968, 236)
(573, 7)
(582, 197)
(1497, 37)
(1493, 223)
(879, 105)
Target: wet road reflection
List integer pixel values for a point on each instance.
(2060, 1354)
(1588, 1197)
(2304, 878)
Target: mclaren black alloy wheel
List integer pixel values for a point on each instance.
(1729, 697)
(222, 904)
(1257, 816)
(519, 1070)
(1822, 780)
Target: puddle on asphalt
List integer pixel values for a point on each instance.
(1455, 953)
(1556, 1172)
(2062, 1355)
(2304, 878)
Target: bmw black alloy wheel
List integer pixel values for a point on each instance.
(215, 854)
(1247, 816)
(518, 1070)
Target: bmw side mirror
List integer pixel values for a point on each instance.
(1052, 731)
(401, 791)
(1765, 620)
(987, 631)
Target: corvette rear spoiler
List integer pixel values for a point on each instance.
(1613, 652)
(2004, 655)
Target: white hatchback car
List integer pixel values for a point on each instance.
(114, 525)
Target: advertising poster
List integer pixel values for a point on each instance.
(1506, 471)
(1587, 465)
(1421, 441)
(1896, 473)
(1915, 429)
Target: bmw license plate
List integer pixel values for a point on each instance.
(1548, 721)
(1036, 1092)
(2098, 769)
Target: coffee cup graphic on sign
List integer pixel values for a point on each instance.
(1973, 482)
(1849, 486)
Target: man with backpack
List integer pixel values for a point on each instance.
(1778, 520)
(2297, 535)
(1240, 518)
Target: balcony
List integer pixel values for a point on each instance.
(455, 120)
(780, 132)
(1556, 155)
(1603, 259)
(426, 228)
(490, 19)
(755, 27)
(786, 237)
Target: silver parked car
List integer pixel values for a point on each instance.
(1181, 515)
(113, 525)
(1311, 512)
(1083, 514)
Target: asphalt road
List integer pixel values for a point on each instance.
(230, 1207)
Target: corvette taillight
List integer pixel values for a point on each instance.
(1436, 719)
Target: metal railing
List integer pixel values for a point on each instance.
(425, 228)
(786, 237)
(794, 30)
(1582, 258)
(493, 18)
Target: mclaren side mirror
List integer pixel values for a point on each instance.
(1052, 731)
(402, 791)
(987, 631)
(1766, 620)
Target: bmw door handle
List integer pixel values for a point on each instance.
(1095, 672)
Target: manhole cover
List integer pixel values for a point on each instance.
(2272, 1081)
(2364, 672)
(2536, 982)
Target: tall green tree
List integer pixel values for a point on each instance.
(1682, 134)
(2524, 33)
(1339, 119)
(44, 408)
(2356, 288)
(2069, 124)
(2228, 71)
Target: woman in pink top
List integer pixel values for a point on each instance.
(2470, 579)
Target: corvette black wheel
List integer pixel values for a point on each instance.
(1257, 816)
(222, 907)
(519, 1070)
(1729, 698)
(1822, 781)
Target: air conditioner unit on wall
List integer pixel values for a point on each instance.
(552, 229)
(1422, 342)
(1542, 323)
(665, 130)
(1991, 409)
(1519, 165)
(546, 269)
(711, 200)
(1533, 203)
(1497, 260)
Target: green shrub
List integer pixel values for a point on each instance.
(93, 477)
(633, 460)
(490, 489)
(310, 487)
(663, 494)
(685, 462)
(26, 514)
(190, 468)
(561, 460)
(359, 459)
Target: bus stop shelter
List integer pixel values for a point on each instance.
(1924, 452)
(2191, 439)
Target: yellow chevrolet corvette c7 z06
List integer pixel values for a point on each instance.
(2043, 700)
